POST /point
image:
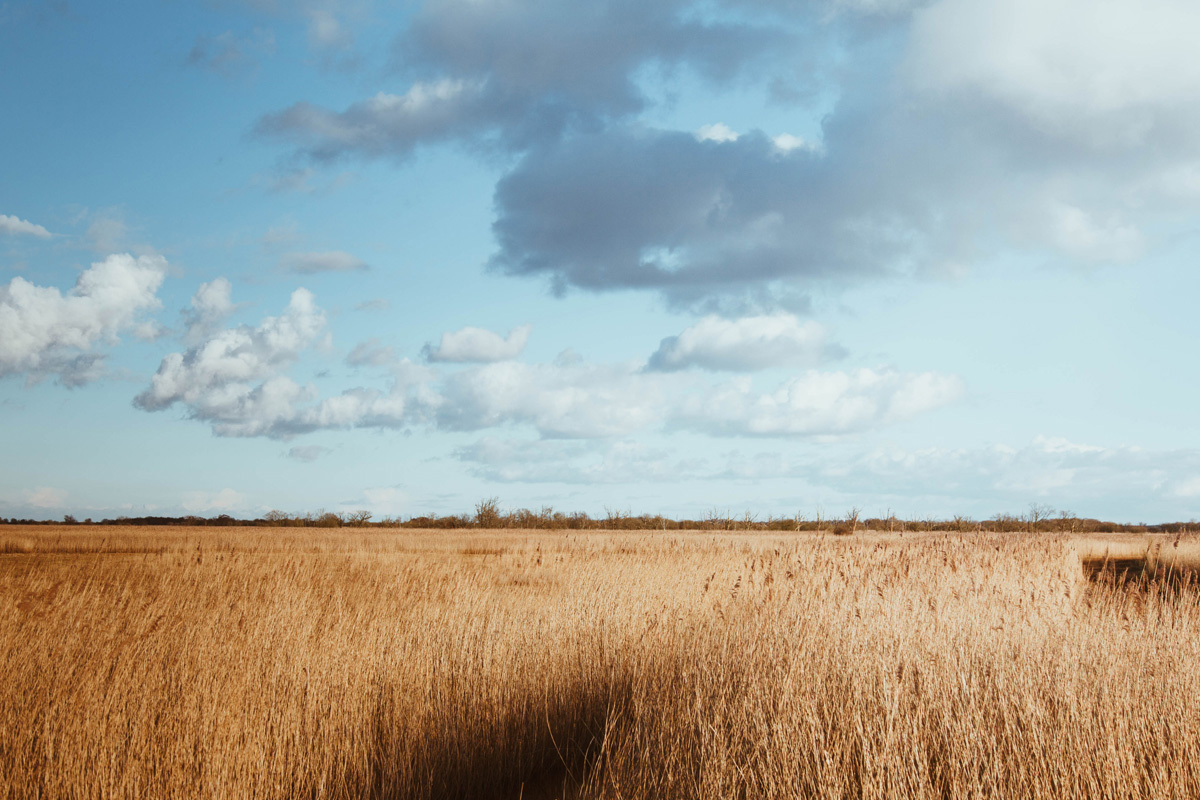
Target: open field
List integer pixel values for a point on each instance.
(157, 663)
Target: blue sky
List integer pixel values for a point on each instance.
(927, 256)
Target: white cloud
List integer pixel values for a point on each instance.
(1109, 74)
(43, 332)
(479, 345)
(786, 142)
(236, 381)
(574, 401)
(745, 345)
(224, 500)
(216, 371)
(718, 132)
(46, 497)
(211, 306)
(14, 226)
(817, 403)
(331, 261)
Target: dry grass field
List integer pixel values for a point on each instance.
(280, 663)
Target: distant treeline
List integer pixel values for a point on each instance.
(489, 515)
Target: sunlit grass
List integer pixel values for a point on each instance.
(371, 663)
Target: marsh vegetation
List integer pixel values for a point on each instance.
(273, 663)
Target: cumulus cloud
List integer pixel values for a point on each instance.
(477, 345)
(15, 226)
(746, 344)
(330, 261)
(211, 305)
(44, 332)
(562, 401)
(512, 74)
(235, 357)
(236, 381)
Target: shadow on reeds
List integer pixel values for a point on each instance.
(555, 752)
(1141, 573)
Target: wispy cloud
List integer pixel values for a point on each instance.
(327, 261)
(229, 53)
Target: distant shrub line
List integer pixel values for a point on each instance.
(489, 515)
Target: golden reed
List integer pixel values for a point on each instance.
(281, 663)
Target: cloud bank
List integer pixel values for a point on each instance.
(962, 130)
(237, 381)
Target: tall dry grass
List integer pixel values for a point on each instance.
(250, 663)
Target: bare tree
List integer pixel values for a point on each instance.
(1037, 513)
(487, 513)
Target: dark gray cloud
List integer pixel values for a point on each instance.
(934, 160)
(634, 208)
(514, 74)
(960, 130)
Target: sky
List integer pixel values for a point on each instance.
(921, 257)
